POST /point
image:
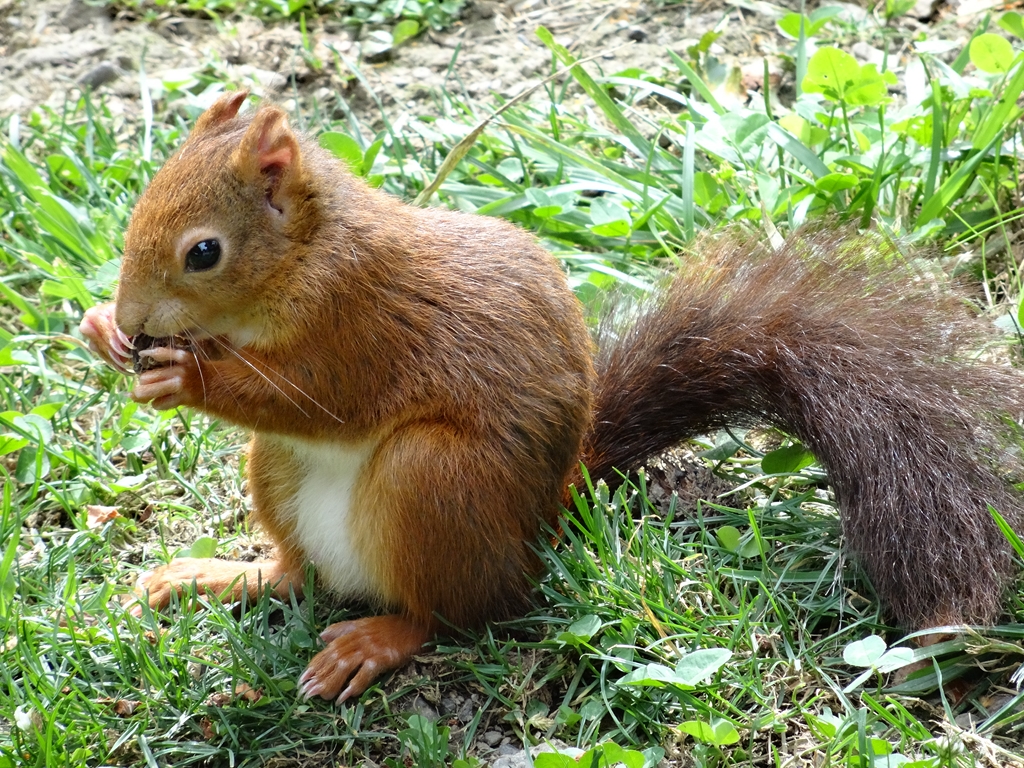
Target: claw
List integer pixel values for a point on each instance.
(105, 339)
(117, 345)
(358, 652)
(161, 386)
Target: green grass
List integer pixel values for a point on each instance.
(733, 633)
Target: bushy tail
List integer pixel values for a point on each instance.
(835, 340)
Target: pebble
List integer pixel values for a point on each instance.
(867, 53)
(492, 738)
(62, 53)
(521, 758)
(103, 73)
(79, 14)
(468, 710)
(422, 707)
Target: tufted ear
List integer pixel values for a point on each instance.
(270, 150)
(222, 110)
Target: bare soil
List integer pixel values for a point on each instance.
(52, 50)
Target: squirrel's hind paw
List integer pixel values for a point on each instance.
(358, 652)
(225, 580)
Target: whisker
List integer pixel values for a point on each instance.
(264, 376)
(199, 350)
(284, 378)
(230, 348)
(195, 350)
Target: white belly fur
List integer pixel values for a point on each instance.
(322, 512)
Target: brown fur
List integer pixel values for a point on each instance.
(453, 344)
(838, 341)
(471, 368)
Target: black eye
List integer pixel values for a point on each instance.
(203, 255)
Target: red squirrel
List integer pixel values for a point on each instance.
(421, 388)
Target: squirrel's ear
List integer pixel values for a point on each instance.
(274, 145)
(271, 150)
(222, 110)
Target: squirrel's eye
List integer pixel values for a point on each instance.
(203, 255)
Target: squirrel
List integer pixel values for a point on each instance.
(421, 387)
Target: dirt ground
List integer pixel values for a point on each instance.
(52, 49)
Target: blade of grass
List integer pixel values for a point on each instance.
(696, 81)
(460, 150)
(641, 146)
(935, 205)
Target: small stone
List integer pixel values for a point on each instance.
(103, 73)
(518, 87)
(532, 67)
(491, 738)
(78, 15)
(450, 705)
(422, 707)
(483, 87)
(924, 10)
(851, 13)
(13, 103)
(482, 9)
(467, 711)
(335, 44)
(272, 81)
(507, 756)
(377, 47)
(966, 720)
(867, 53)
(66, 53)
(184, 27)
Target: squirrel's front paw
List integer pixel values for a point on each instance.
(106, 340)
(169, 384)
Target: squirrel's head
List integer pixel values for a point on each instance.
(214, 233)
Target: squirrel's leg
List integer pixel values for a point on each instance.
(226, 579)
(452, 527)
(359, 651)
(221, 578)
